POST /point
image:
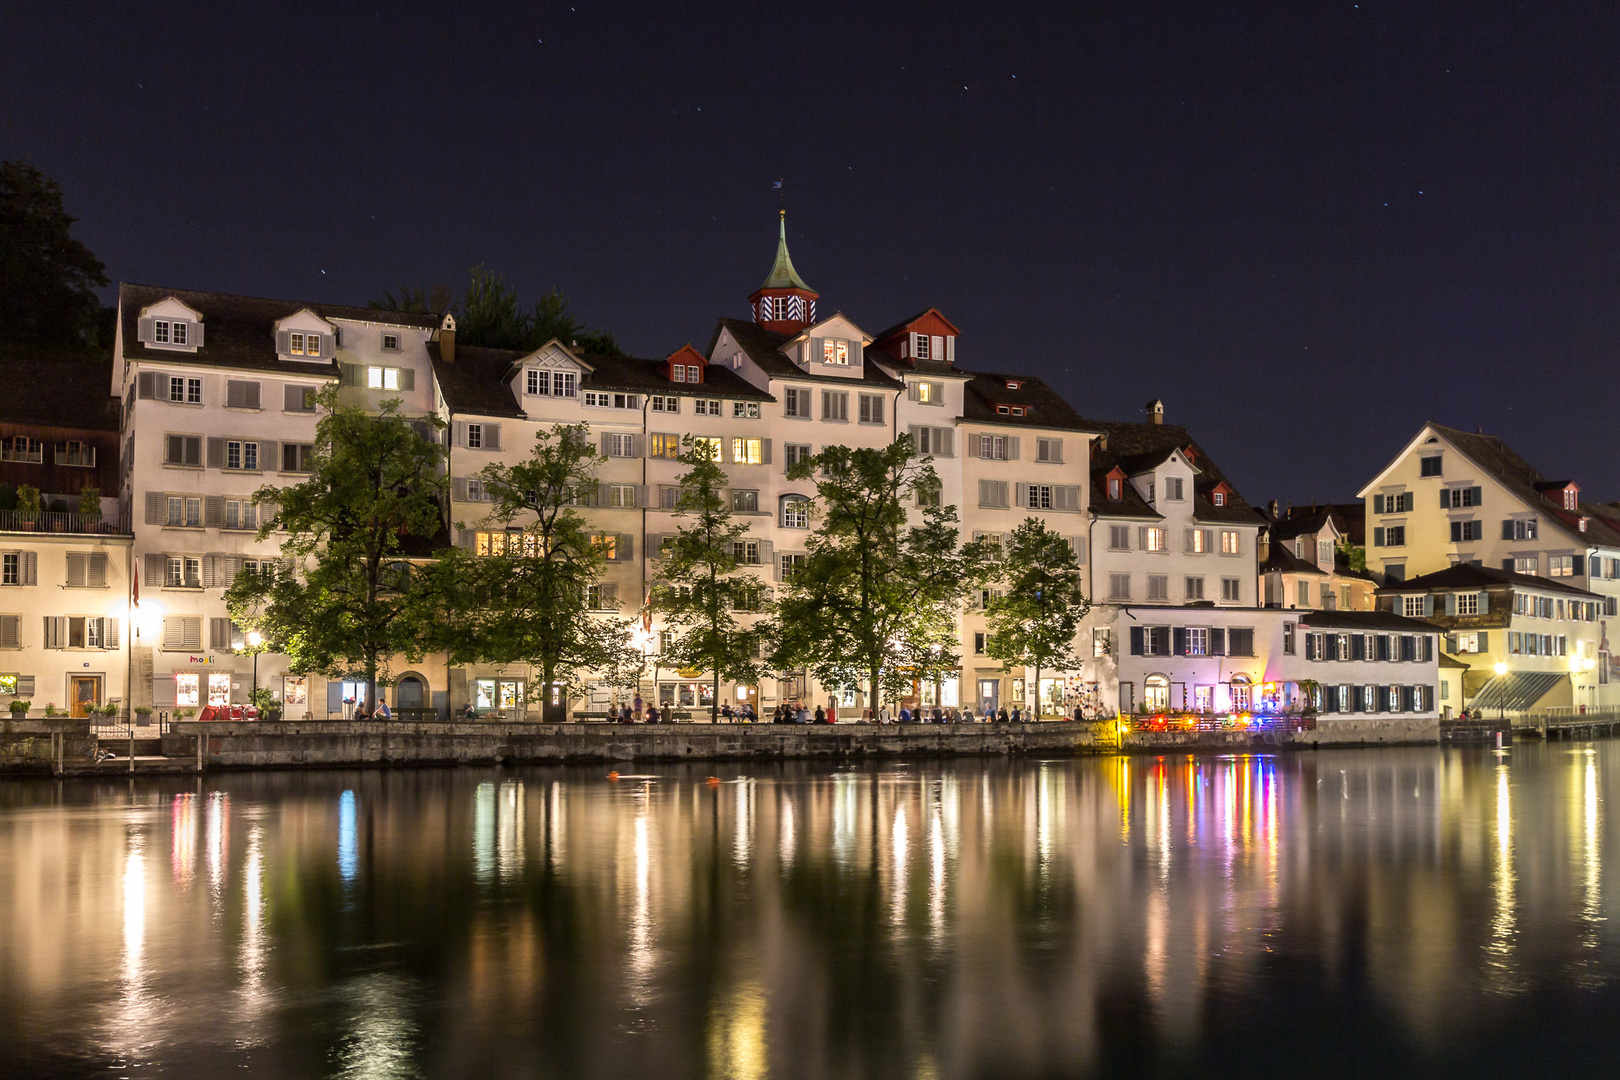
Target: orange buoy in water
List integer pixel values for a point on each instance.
(613, 776)
(714, 781)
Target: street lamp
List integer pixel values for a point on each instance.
(254, 640)
(1501, 669)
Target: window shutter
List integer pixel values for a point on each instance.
(143, 331)
(1378, 537)
(407, 379)
(1507, 564)
(30, 568)
(764, 450)
(1141, 538)
(194, 449)
(284, 342)
(1310, 646)
(328, 346)
(944, 442)
(1012, 448)
(1580, 565)
(624, 547)
(1066, 497)
(607, 445)
(250, 396)
(1023, 494)
(154, 570)
(1217, 641)
(492, 436)
(1484, 641)
(269, 449)
(210, 571)
(75, 568)
(911, 391)
(972, 445)
(216, 452)
(610, 597)
(1484, 603)
(459, 428)
(214, 511)
(1445, 499)
(1136, 641)
(466, 540)
(219, 633)
(767, 553)
(109, 633)
(235, 394)
(1077, 544)
(1179, 641)
(1428, 606)
(55, 631)
(197, 335)
(458, 488)
(1478, 495)
(146, 385)
(292, 398)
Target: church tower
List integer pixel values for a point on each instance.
(784, 304)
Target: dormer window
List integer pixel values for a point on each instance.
(835, 352)
(1218, 498)
(302, 344)
(1113, 489)
(1003, 410)
(1571, 498)
(686, 373)
(390, 343)
(170, 332)
(1014, 384)
(1018, 410)
(921, 341)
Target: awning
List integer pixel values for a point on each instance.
(1517, 691)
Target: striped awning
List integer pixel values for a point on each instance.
(1517, 691)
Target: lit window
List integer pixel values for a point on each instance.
(662, 445)
(747, 451)
(382, 378)
(795, 512)
(187, 690)
(1155, 539)
(745, 410)
(1231, 542)
(710, 441)
(835, 352)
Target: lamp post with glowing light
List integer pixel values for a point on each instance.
(1501, 669)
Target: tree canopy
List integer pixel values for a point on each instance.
(47, 278)
(876, 598)
(346, 596)
(701, 581)
(489, 314)
(1035, 619)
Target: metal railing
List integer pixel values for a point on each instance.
(58, 521)
(124, 724)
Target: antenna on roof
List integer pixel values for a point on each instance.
(781, 197)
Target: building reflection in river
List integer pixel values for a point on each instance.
(951, 919)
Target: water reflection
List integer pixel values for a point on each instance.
(925, 919)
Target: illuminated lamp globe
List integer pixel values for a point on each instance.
(1501, 667)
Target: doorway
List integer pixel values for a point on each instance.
(86, 694)
(989, 695)
(408, 695)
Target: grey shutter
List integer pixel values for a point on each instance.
(1178, 645)
(764, 451)
(607, 444)
(972, 445)
(1478, 495)
(459, 429)
(143, 330)
(767, 553)
(911, 391)
(1445, 499)
(458, 488)
(943, 442)
(251, 398)
(638, 446)
(1023, 494)
(210, 571)
(654, 544)
(1012, 448)
(146, 385)
(11, 638)
(197, 335)
(1579, 565)
(214, 511)
(1066, 497)
(284, 342)
(216, 451)
(1507, 530)
(1141, 538)
(219, 633)
(194, 449)
(610, 597)
(109, 633)
(1378, 504)
(269, 455)
(1484, 603)
(292, 399)
(624, 547)
(407, 379)
(1507, 564)
(1451, 603)
(492, 436)
(96, 576)
(235, 394)
(154, 570)
(75, 568)
(1217, 641)
(351, 375)
(466, 540)
(55, 631)
(1428, 606)
(30, 568)
(1136, 640)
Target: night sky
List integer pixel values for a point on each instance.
(1307, 227)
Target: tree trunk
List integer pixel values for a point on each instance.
(371, 683)
(1037, 690)
(872, 696)
(714, 702)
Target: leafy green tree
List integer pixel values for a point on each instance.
(524, 597)
(490, 315)
(1034, 622)
(47, 277)
(875, 591)
(701, 581)
(346, 597)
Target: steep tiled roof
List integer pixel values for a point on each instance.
(56, 388)
(762, 347)
(1043, 407)
(1524, 480)
(1467, 576)
(1364, 620)
(1281, 559)
(476, 382)
(239, 331)
(1127, 441)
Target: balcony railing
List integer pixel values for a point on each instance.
(51, 521)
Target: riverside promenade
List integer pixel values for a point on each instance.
(193, 746)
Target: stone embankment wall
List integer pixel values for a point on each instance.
(315, 744)
(26, 745)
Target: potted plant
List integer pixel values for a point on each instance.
(50, 708)
(184, 714)
(265, 701)
(28, 505)
(90, 509)
(19, 708)
(109, 710)
(143, 715)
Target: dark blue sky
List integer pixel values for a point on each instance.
(1307, 227)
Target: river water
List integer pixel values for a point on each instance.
(1419, 912)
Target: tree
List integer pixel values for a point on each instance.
(1034, 622)
(874, 592)
(490, 315)
(346, 597)
(47, 277)
(701, 581)
(524, 596)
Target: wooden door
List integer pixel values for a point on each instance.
(86, 693)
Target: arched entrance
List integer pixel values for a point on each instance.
(1156, 693)
(410, 693)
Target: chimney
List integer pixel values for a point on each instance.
(1272, 506)
(447, 339)
(1155, 411)
(1263, 549)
